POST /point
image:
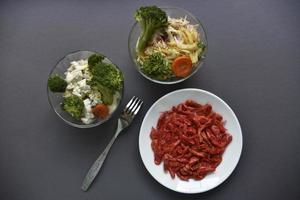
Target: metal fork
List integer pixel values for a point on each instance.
(124, 121)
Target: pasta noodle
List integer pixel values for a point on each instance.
(182, 39)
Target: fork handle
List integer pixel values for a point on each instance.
(95, 168)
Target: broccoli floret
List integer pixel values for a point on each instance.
(151, 19)
(107, 95)
(56, 83)
(95, 59)
(201, 45)
(106, 78)
(107, 75)
(74, 106)
(156, 67)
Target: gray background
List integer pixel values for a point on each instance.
(253, 64)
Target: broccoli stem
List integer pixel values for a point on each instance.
(145, 37)
(151, 19)
(141, 44)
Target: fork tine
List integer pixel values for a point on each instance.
(129, 104)
(138, 108)
(135, 106)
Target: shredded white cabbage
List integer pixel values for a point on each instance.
(182, 39)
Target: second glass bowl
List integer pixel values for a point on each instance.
(172, 12)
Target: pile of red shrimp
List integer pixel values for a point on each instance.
(190, 140)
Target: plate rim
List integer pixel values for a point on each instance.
(234, 116)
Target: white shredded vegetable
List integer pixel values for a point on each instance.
(180, 38)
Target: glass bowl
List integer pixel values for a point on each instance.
(172, 12)
(56, 99)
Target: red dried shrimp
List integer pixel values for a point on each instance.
(190, 140)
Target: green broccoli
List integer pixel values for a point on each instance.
(156, 67)
(201, 45)
(107, 75)
(151, 19)
(74, 106)
(107, 95)
(95, 59)
(56, 83)
(106, 78)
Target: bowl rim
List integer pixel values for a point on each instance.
(198, 65)
(83, 126)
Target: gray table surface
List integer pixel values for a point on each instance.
(253, 64)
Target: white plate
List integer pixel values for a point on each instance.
(230, 157)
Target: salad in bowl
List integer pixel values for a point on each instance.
(85, 88)
(167, 45)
